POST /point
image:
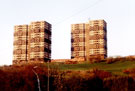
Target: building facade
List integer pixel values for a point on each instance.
(78, 41)
(89, 40)
(32, 42)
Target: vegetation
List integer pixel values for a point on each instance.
(101, 76)
(115, 68)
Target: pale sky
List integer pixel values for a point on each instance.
(119, 15)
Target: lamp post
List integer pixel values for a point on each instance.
(38, 80)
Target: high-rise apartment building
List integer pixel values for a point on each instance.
(78, 41)
(39, 41)
(89, 40)
(20, 43)
(32, 42)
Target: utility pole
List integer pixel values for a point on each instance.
(48, 76)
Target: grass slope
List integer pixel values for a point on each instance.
(114, 68)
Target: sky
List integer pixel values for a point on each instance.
(119, 15)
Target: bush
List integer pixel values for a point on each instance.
(116, 84)
(22, 78)
(112, 60)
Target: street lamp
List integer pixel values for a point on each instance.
(37, 77)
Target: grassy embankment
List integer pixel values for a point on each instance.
(73, 77)
(115, 68)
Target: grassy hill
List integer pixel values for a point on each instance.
(115, 68)
(68, 77)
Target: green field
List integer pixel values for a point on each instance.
(114, 68)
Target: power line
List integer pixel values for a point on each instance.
(97, 2)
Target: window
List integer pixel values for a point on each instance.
(37, 39)
(20, 33)
(91, 41)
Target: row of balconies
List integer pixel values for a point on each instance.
(20, 42)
